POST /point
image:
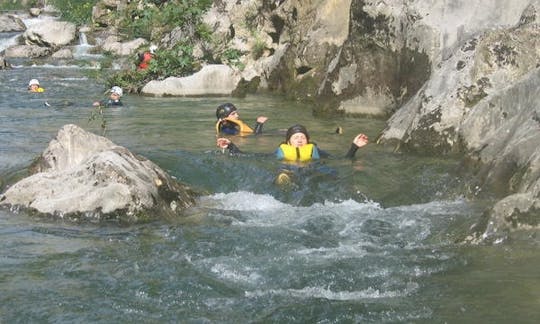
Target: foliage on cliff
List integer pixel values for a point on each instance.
(154, 21)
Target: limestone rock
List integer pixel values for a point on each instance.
(31, 51)
(11, 23)
(213, 79)
(52, 34)
(82, 176)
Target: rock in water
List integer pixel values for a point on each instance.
(85, 177)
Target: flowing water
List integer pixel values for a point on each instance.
(366, 241)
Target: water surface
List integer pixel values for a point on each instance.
(376, 240)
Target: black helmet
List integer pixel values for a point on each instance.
(296, 129)
(224, 110)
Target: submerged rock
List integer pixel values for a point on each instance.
(82, 176)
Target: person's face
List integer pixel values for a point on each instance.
(34, 87)
(298, 140)
(114, 96)
(234, 115)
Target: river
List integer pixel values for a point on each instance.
(376, 240)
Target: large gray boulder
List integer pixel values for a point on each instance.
(82, 176)
(214, 79)
(54, 34)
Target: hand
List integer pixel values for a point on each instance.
(223, 142)
(96, 103)
(262, 119)
(360, 140)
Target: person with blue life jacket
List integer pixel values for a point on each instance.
(114, 98)
(297, 150)
(229, 122)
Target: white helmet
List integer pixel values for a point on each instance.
(33, 81)
(153, 48)
(117, 90)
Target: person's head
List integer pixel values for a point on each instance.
(152, 49)
(116, 92)
(297, 136)
(33, 85)
(226, 110)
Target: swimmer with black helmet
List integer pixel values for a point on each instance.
(297, 146)
(229, 122)
(297, 149)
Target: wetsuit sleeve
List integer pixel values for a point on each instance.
(258, 128)
(318, 153)
(233, 149)
(352, 151)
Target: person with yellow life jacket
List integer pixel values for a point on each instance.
(229, 122)
(33, 86)
(297, 152)
(297, 147)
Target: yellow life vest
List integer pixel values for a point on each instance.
(301, 154)
(40, 89)
(242, 127)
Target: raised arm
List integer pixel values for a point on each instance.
(259, 124)
(359, 141)
(225, 143)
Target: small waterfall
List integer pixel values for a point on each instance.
(82, 50)
(7, 40)
(82, 39)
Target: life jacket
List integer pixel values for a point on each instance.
(145, 60)
(40, 89)
(241, 127)
(297, 154)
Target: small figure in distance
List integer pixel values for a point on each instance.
(297, 151)
(229, 122)
(114, 98)
(146, 57)
(33, 86)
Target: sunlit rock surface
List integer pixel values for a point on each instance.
(82, 176)
(215, 79)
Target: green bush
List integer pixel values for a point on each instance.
(6, 5)
(160, 17)
(75, 11)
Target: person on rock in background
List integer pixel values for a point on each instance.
(146, 57)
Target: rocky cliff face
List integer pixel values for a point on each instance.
(458, 77)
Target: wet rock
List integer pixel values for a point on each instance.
(31, 51)
(85, 177)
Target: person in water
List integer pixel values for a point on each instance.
(297, 151)
(33, 86)
(297, 147)
(114, 98)
(146, 57)
(229, 122)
